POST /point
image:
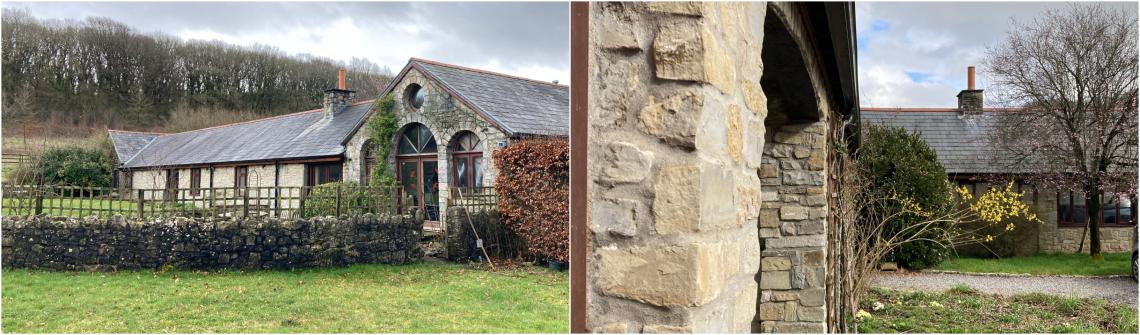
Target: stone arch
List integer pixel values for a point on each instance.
(793, 216)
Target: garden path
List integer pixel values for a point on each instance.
(1114, 289)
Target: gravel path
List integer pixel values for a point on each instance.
(1116, 289)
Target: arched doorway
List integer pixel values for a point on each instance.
(418, 170)
(466, 161)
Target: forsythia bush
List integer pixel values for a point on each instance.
(533, 187)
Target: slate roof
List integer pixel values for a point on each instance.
(518, 106)
(291, 136)
(962, 142)
(128, 143)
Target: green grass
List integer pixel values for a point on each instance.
(1046, 264)
(417, 298)
(964, 310)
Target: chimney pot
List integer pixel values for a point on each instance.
(340, 78)
(970, 77)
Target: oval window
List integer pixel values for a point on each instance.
(415, 96)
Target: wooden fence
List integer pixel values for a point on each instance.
(474, 198)
(282, 202)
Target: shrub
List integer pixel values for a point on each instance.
(533, 187)
(382, 128)
(354, 199)
(901, 163)
(74, 166)
(498, 238)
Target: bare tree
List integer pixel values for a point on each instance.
(1074, 71)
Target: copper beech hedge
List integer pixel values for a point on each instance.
(533, 187)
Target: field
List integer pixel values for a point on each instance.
(426, 297)
(1046, 264)
(962, 310)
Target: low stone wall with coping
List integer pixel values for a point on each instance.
(94, 244)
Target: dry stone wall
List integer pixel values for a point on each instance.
(255, 243)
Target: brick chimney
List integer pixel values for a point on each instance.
(336, 99)
(970, 100)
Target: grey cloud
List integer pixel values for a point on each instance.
(937, 38)
(516, 35)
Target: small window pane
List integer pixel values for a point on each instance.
(478, 169)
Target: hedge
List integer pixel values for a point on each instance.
(533, 186)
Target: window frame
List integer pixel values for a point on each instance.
(1068, 222)
(196, 181)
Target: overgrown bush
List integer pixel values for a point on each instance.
(498, 238)
(354, 199)
(901, 163)
(73, 166)
(533, 187)
(382, 128)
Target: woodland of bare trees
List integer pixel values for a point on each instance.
(1074, 72)
(101, 73)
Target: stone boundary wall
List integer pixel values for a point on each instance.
(119, 243)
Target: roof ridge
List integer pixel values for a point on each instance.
(460, 67)
(265, 118)
(136, 132)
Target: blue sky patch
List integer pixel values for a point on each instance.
(879, 26)
(918, 77)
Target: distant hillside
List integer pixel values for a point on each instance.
(99, 72)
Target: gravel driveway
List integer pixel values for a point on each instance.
(1116, 289)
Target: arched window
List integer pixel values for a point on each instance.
(367, 161)
(467, 160)
(416, 139)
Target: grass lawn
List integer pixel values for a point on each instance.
(72, 206)
(962, 310)
(1046, 264)
(418, 298)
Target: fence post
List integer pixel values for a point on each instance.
(39, 201)
(245, 202)
(301, 203)
(141, 193)
(338, 199)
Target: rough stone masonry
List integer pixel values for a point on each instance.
(119, 243)
(695, 225)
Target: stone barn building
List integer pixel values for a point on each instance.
(708, 164)
(961, 137)
(451, 119)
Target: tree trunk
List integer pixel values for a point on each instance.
(1095, 217)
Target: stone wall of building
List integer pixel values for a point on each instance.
(683, 192)
(676, 134)
(119, 243)
(1054, 238)
(446, 117)
(793, 229)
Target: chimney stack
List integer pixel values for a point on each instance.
(340, 78)
(336, 99)
(970, 100)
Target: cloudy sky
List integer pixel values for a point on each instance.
(524, 39)
(916, 54)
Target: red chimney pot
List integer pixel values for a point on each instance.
(970, 78)
(340, 79)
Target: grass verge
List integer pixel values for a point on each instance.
(1045, 264)
(419, 298)
(964, 310)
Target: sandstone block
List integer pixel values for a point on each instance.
(817, 314)
(664, 275)
(775, 280)
(754, 97)
(775, 264)
(677, 204)
(626, 163)
(812, 297)
(769, 218)
(796, 241)
(771, 311)
(735, 141)
(613, 328)
(790, 310)
(665, 329)
(793, 213)
(614, 216)
(679, 53)
(681, 8)
(674, 119)
(720, 68)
